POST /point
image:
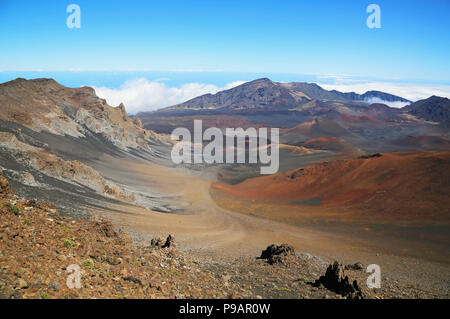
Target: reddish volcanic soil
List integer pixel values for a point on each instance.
(403, 186)
(424, 142)
(330, 143)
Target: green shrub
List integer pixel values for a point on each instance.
(45, 295)
(11, 208)
(87, 263)
(68, 242)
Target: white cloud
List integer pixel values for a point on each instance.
(141, 95)
(396, 104)
(233, 84)
(410, 91)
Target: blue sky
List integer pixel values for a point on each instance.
(310, 37)
(240, 39)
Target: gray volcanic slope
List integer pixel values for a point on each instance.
(53, 141)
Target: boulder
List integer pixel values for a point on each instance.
(160, 243)
(337, 280)
(277, 254)
(106, 228)
(5, 188)
(356, 266)
(133, 280)
(170, 242)
(156, 242)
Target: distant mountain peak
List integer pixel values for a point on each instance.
(264, 93)
(434, 108)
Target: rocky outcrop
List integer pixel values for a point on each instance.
(355, 266)
(278, 254)
(5, 188)
(159, 243)
(336, 279)
(45, 105)
(105, 227)
(170, 242)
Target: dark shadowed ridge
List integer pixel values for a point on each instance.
(435, 108)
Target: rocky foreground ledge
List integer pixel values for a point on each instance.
(40, 252)
(38, 246)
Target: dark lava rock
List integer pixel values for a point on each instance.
(336, 280)
(133, 279)
(170, 242)
(159, 243)
(276, 254)
(156, 242)
(356, 266)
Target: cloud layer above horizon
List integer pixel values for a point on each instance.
(142, 95)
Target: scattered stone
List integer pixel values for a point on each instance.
(21, 284)
(31, 202)
(133, 279)
(55, 286)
